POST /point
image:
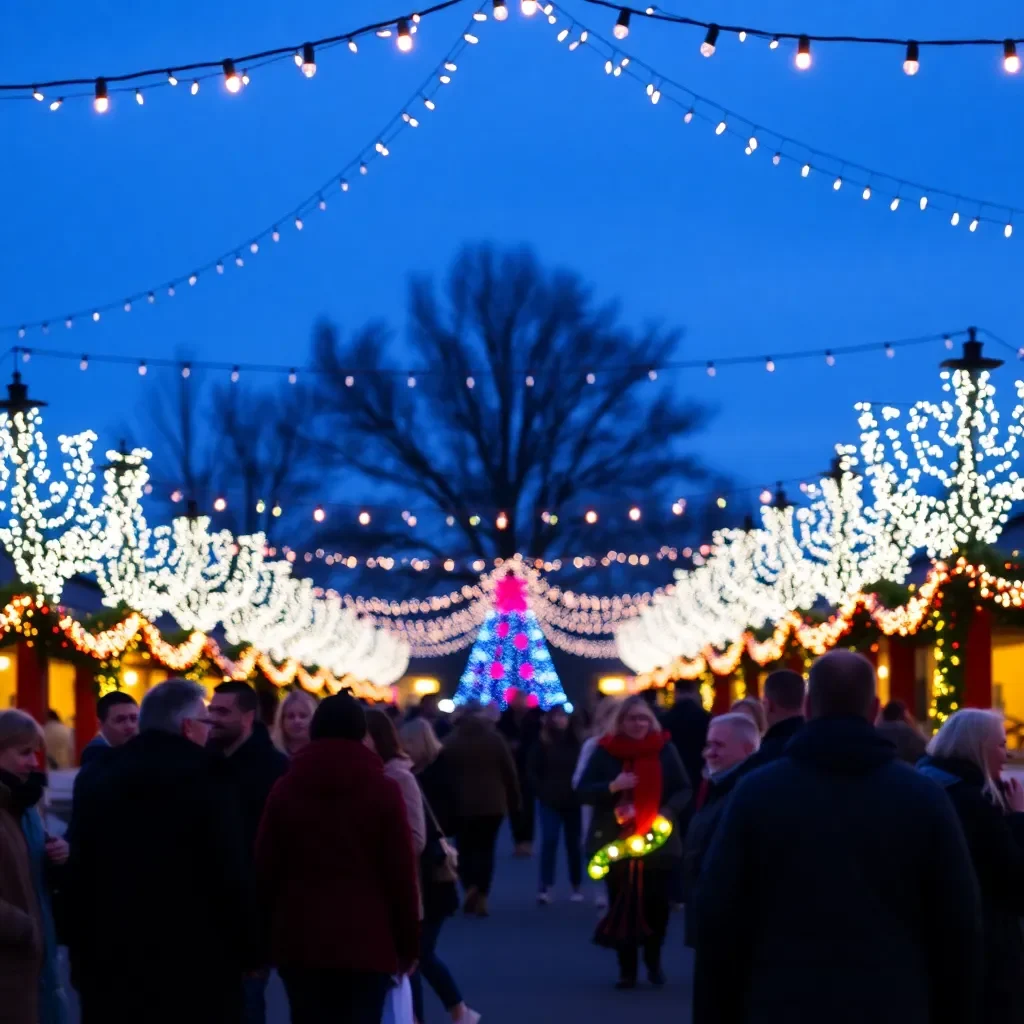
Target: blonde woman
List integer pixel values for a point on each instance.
(966, 757)
(634, 775)
(291, 723)
(754, 710)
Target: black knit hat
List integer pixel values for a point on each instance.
(340, 717)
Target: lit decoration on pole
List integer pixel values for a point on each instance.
(510, 652)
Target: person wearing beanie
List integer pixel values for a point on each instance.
(336, 874)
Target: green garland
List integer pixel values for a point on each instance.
(636, 845)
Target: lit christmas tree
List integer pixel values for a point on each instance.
(510, 653)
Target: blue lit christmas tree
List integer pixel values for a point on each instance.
(510, 653)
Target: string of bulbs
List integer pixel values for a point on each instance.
(402, 28)
(802, 59)
(424, 98)
(810, 160)
(711, 367)
(695, 106)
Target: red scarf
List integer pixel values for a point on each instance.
(643, 759)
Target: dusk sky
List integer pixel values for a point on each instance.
(530, 144)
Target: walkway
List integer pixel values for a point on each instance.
(536, 965)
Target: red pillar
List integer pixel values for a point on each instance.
(752, 678)
(86, 722)
(33, 693)
(978, 661)
(721, 702)
(902, 682)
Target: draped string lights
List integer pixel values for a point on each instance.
(54, 530)
(53, 94)
(1002, 49)
(419, 105)
(757, 140)
(872, 515)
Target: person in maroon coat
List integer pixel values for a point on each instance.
(336, 874)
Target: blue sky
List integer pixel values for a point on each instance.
(531, 145)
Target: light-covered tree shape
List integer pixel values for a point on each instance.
(946, 480)
(44, 521)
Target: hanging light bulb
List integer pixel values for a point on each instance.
(769, 364)
(404, 40)
(219, 267)
(803, 53)
(707, 48)
(923, 202)
(805, 170)
(500, 10)
(245, 77)
(219, 504)
(911, 65)
(319, 515)
(890, 352)
(235, 374)
(711, 370)
(471, 382)
(232, 82)
(1011, 62)
(298, 223)
(364, 518)
(752, 143)
(838, 183)
(139, 98)
(352, 46)
(142, 369)
(621, 30)
(171, 80)
(411, 381)
(774, 43)
(194, 87)
(502, 521)
(186, 371)
(720, 127)
(1007, 230)
(895, 204)
(634, 514)
(83, 363)
(275, 235)
(688, 116)
(101, 101)
(866, 194)
(955, 219)
(56, 104)
(830, 359)
(973, 226)
(293, 376)
(591, 516)
(528, 7)
(308, 65)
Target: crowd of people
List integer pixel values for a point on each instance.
(832, 864)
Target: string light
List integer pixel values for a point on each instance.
(101, 101)
(364, 518)
(1011, 62)
(307, 65)
(194, 87)
(911, 64)
(500, 11)
(56, 104)
(528, 7)
(139, 98)
(621, 30)
(231, 80)
(404, 40)
(319, 515)
(803, 53)
(707, 48)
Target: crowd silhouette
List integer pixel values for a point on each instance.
(833, 865)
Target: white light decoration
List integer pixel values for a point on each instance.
(45, 527)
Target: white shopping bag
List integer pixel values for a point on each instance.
(398, 1004)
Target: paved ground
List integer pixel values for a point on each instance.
(536, 965)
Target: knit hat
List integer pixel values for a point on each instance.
(340, 717)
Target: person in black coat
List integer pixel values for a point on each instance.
(730, 753)
(966, 758)
(784, 692)
(687, 723)
(437, 881)
(158, 819)
(550, 769)
(839, 886)
(634, 775)
(520, 725)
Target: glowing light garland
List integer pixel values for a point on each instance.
(636, 845)
(840, 544)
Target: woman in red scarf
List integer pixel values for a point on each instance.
(634, 776)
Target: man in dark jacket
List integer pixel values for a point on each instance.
(118, 714)
(731, 755)
(784, 707)
(254, 764)
(159, 815)
(687, 723)
(839, 887)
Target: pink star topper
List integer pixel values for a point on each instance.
(510, 595)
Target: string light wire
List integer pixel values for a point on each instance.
(169, 78)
